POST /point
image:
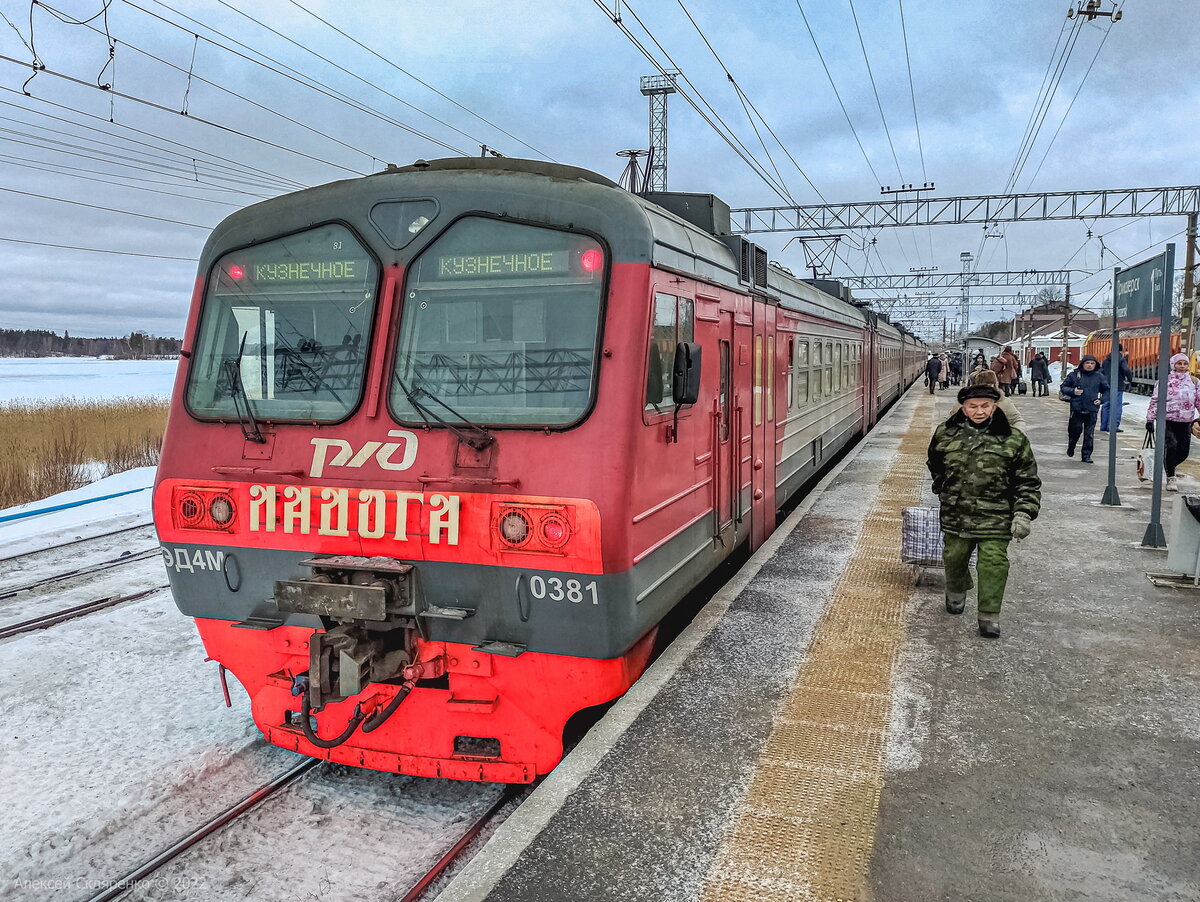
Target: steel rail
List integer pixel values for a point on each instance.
(130, 880)
(103, 535)
(72, 613)
(80, 571)
(419, 888)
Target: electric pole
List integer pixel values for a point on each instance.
(657, 87)
(1187, 318)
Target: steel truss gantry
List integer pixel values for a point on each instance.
(902, 281)
(1117, 203)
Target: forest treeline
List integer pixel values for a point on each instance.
(43, 343)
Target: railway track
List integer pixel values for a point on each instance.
(130, 880)
(447, 860)
(127, 558)
(72, 613)
(103, 535)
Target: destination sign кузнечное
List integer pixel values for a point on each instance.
(482, 266)
(307, 271)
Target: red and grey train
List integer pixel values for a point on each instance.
(447, 442)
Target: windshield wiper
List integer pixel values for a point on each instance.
(477, 438)
(241, 401)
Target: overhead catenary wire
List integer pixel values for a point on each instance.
(79, 203)
(746, 101)
(1071, 105)
(419, 81)
(96, 250)
(313, 130)
(832, 84)
(75, 172)
(723, 131)
(158, 106)
(189, 152)
(298, 77)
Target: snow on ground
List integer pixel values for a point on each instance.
(85, 513)
(33, 379)
(111, 723)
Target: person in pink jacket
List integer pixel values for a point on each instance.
(1182, 396)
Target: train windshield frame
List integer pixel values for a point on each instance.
(501, 326)
(285, 328)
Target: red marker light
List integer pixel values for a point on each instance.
(236, 272)
(592, 260)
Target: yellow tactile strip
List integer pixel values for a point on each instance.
(807, 826)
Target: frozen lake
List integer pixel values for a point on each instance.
(84, 378)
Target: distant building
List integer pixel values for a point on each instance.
(1048, 340)
(976, 343)
(1044, 318)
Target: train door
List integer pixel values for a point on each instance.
(762, 423)
(725, 428)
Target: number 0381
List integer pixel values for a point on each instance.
(556, 589)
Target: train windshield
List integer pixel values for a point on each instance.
(499, 326)
(284, 329)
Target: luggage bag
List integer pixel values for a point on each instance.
(1022, 388)
(921, 539)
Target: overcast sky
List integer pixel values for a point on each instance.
(561, 79)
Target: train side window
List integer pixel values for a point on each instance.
(801, 373)
(771, 365)
(828, 368)
(816, 371)
(674, 321)
(837, 365)
(791, 373)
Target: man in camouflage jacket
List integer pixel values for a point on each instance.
(985, 475)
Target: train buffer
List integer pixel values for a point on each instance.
(825, 730)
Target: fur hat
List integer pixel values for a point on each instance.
(985, 377)
(978, 391)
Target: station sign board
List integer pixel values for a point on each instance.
(1141, 292)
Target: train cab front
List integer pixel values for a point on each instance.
(342, 504)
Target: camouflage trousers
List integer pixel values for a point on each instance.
(991, 565)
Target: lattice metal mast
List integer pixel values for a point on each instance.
(1118, 203)
(657, 87)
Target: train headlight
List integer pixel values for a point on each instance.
(221, 510)
(514, 528)
(204, 507)
(554, 530)
(191, 509)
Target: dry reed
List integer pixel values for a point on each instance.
(59, 446)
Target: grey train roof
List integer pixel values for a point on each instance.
(637, 230)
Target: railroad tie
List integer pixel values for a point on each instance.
(807, 826)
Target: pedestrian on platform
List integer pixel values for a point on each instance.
(956, 365)
(1039, 375)
(996, 365)
(986, 477)
(933, 368)
(1085, 388)
(1006, 405)
(1181, 411)
(1114, 399)
(944, 372)
(1012, 370)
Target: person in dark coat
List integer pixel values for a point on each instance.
(933, 371)
(1124, 381)
(1039, 375)
(986, 477)
(1086, 389)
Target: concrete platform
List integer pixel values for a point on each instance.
(824, 730)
